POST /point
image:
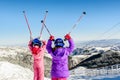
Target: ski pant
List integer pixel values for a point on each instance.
(59, 79)
(38, 70)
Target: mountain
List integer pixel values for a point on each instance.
(99, 43)
(19, 59)
(22, 56)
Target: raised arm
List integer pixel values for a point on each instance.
(44, 44)
(30, 45)
(71, 43)
(49, 44)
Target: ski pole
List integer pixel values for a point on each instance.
(84, 13)
(43, 24)
(46, 27)
(28, 25)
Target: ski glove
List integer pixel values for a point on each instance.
(67, 36)
(44, 42)
(51, 38)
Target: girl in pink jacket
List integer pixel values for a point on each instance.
(37, 48)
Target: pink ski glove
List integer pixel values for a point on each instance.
(44, 42)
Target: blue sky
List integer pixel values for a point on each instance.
(62, 15)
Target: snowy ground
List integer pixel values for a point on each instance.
(82, 73)
(10, 71)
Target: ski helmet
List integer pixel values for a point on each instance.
(36, 41)
(59, 42)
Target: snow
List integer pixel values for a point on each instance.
(11, 51)
(48, 55)
(82, 73)
(103, 48)
(81, 56)
(76, 74)
(9, 71)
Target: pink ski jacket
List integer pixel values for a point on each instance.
(38, 63)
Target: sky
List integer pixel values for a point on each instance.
(102, 19)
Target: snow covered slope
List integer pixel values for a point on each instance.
(10, 71)
(82, 73)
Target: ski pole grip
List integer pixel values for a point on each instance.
(23, 11)
(46, 11)
(41, 21)
(84, 12)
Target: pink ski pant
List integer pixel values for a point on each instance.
(38, 71)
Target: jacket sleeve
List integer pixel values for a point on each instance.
(71, 46)
(44, 44)
(30, 45)
(49, 46)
